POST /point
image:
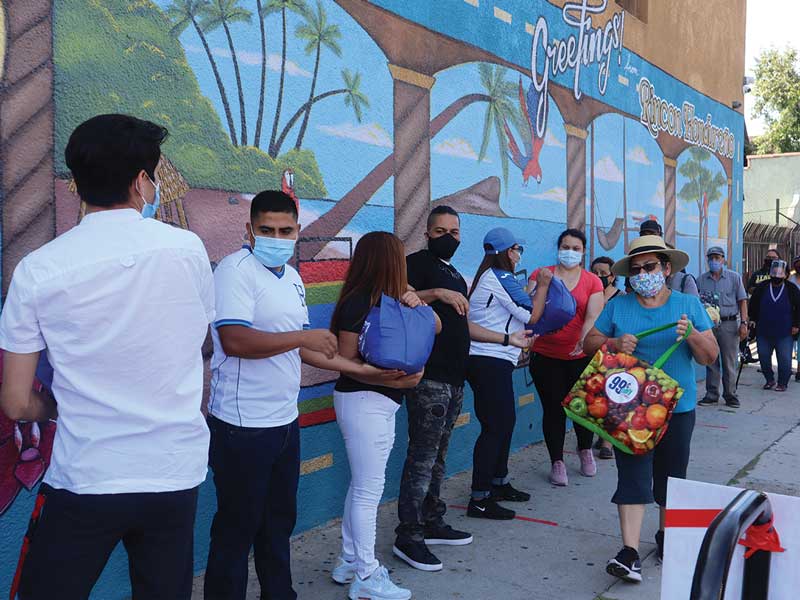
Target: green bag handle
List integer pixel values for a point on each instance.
(665, 357)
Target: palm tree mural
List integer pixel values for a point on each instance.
(341, 213)
(184, 13)
(263, 87)
(702, 189)
(273, 6)
(354, 98)
(499, 108)
(218, 13)
(317, 33)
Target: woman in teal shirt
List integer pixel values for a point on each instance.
(643, 478)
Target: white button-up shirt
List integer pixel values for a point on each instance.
(122, 305)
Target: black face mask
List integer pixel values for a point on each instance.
(776, 280)
(768, 262)
(606, 280)
(443, 246)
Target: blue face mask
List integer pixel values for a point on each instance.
(273, 252)
(570, 258)
(715, 266)
(149, 210)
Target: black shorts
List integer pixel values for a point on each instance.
(642, 479)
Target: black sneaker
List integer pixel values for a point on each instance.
(626, 565)
(708, 402)
(660, 545)
(507, 493)
(733, 403)
(444, 535)
(488, 508)
(417, 555)
(605, 453)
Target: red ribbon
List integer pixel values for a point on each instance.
(761, 537)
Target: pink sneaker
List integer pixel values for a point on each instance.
(588, 466)
(558, 473)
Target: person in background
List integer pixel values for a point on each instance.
(775, 309)
(795, 279)
(726, 290)
(683, 282)
(365, 410)
(558, 359)
(261, 334)
(643, 478)
(499, 303)
(650, 227)
(601, 266)
(122, 304)
(762, 274)
(434, 405)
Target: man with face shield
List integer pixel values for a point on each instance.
(775, 309)
(643, 478)
(762, 274)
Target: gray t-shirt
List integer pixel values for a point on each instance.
(685, 283)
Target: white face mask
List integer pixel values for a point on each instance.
(570, 258)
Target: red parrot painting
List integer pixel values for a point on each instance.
(528, 163)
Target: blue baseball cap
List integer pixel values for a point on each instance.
(499, 240)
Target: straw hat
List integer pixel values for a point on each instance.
(648, 244)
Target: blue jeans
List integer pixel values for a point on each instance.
(256, 472)
(783, 348)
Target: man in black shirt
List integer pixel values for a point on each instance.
(434, 405)
(762, 274)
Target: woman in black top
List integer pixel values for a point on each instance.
(365, 410)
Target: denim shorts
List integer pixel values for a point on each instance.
(642, 479)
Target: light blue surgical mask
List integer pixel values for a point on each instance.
(149, 210)
(715, 265)
(273, 252)
(570, 258)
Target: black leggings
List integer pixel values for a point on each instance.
(492, 385)
(554, 379)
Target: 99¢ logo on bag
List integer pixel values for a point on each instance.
(621, 388)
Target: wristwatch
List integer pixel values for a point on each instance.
(505, 340)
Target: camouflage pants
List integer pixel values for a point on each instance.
(433, 408)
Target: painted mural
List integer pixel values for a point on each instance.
(514, 112)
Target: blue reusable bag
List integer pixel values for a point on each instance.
(559, 309)
(395, 336)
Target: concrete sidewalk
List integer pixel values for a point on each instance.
(562, 538)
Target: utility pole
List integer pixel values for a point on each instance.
(777, 211)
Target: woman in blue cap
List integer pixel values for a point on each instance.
(498, 302)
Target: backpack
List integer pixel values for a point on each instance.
(395, 336)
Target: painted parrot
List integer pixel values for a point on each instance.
(528, 163)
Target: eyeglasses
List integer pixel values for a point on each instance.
(648, 267)
(519, 249)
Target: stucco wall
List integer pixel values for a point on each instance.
(768, 178)
(412, 103)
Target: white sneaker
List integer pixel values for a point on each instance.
(344, 571)
(377, 586)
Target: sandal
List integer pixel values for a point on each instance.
(769, 385)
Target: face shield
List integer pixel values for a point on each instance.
(778, 269)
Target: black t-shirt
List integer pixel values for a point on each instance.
(757, 277)
(448, 360)
(352, 315)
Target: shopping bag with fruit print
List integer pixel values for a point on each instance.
(626, 400)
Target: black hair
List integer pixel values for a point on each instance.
(576, 233)
(441, 210)
(107, 152)
(775, 250)
(272, 201)
(606, 260)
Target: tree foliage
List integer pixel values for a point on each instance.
(777, 93)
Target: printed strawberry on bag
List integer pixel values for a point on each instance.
(624, 400)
